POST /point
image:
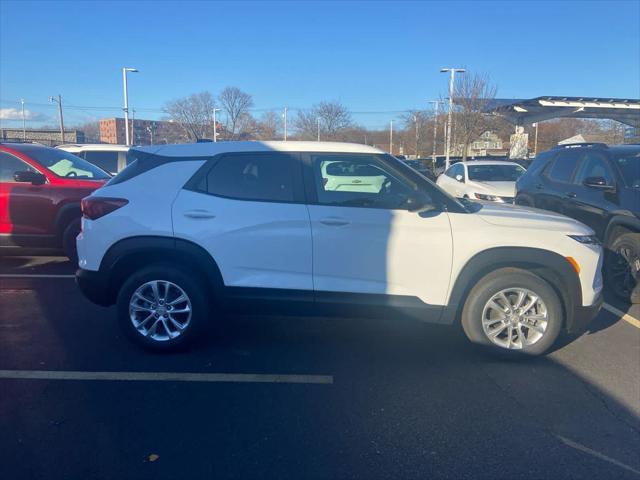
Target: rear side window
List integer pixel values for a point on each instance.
(563, 167)
(105, 160)
(593, 164)
(258, 177)
(9, 165)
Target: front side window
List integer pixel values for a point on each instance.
(593, 165)
(564, 166)
(494, 173)
(629, 166)
(258, 177)
(64, 164)
(360, 181)
(9, 165)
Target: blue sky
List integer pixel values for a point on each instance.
(372, 56)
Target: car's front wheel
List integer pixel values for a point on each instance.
(622, 270)
(162, 308)
(513, 310)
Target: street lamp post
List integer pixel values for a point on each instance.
(391, 137)
(415, 120)
(126, 103)
(284, 115)
(452, 78)
(215, 125)
(318, 128)
(24, 124)
(436, 103)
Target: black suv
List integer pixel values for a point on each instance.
(598, 185)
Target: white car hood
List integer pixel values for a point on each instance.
(525, 217)
(501, 189)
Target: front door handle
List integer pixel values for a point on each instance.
(570, 195)
(334, 221)
(198, 213)
(539, 186)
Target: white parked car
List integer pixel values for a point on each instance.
(187, 231)
(110, 158)
(493, 181)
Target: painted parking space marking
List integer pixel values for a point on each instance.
(601, 456)
(624, 316)
(165, 377)
(34, 275)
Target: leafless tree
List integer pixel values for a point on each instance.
(236, 105)
(333, 117)
(193, 113)
(269, 126)
(473, 94)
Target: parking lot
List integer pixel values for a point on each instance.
(278, 397)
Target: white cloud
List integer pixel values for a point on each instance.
(16, 114)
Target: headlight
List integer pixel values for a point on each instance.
(586, 239)
(489, 198)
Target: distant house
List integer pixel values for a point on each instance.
(584, 138)
(487, 144)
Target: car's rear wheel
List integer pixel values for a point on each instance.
(622, 270)
(69, 235)
(513, 311)
(162, 308)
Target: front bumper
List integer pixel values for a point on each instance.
(582, 316)
(94, 286)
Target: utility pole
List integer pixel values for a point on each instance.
(415, 120)
(452, 79)
(59, 102)
(215, 125)
(391, 137)
(535, 142)
(436, 103)
(126, 103)
(24, 125)
(318, 128)
(285, 123)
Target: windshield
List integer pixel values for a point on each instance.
(629, 166)
(495, 173)
(65, 164)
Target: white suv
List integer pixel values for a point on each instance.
(187, 232)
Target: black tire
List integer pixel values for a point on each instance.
(189, 285)
(503, 279)
(69, 235)
(622, 268)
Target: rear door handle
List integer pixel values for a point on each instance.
(203, 214)
(570, 195)
(334, 221)
(539, 186)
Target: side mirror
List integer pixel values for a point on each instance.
(27, 176)
(460, 178)
(419, 203)
(597, 182)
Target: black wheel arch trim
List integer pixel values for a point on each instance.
(550, 266)
(626, 221)
(141, 250)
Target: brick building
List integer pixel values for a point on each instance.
(49, 137)
(143, 132)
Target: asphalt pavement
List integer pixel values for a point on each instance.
(288, 397)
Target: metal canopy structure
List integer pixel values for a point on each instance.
(524, 112)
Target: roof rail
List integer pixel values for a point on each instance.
(583, 144)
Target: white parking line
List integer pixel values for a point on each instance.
(624, 316)
(601, 456)
(28, 275)
(164, 377)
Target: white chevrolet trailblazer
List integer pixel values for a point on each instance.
(186, 232)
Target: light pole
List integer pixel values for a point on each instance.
(59, 102)
(415, 120)
(284, 115)
(452, 78)
(318, 128)
(126, 102)
(436, 103)
(535, 142)
(215, 125)
(24, 125)
(391, 137)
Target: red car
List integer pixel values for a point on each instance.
(40, 193)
